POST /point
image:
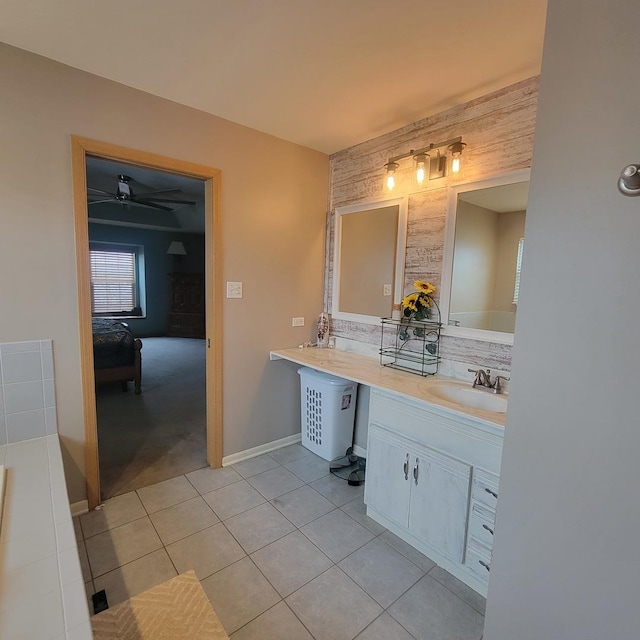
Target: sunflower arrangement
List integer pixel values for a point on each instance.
(416, 305)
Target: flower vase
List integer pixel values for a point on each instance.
(323, 330)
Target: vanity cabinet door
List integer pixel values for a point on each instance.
(439, 502)
(387, 488)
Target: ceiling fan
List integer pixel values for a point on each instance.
(125, 195)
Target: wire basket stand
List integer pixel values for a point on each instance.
(412, 345)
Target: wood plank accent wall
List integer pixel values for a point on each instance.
(498, 129)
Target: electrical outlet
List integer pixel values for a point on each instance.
(386, 289)
(234, 289)
(297, 322)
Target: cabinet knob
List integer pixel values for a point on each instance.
(485, 565)
(416, 471)
(491, 493)
(405, 467)
(488, 528)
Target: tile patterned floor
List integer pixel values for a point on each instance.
(283, 550)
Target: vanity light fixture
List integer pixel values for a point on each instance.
(437, 162)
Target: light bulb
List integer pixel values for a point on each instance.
(420, 170)
(389, 179)
(456, 152)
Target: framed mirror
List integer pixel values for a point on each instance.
(368, 260)
(484, 241)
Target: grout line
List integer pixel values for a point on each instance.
(453, 592)
(295, 530)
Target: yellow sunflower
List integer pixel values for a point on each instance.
(425, 300)
(424, 287)
(411, 301)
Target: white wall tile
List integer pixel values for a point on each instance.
(26, 425)
(47, 364)
(56, 468)
(49, 393)
(36, 620)
(28, 582)
(51, 421)
(81, 632)
(21, 367)
(23, 396)
(76, 608)
(69, 563)
(65, 536)
(28, 548)
(60, 500)
(30, 458)
(1, 399)
(19, 347)
(3, 431)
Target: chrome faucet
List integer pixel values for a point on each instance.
(483, 380)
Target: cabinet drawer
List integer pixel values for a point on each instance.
(478, 560)
(481, 525)
(485, 488)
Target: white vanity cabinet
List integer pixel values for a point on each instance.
(432, 478)
(419, 489)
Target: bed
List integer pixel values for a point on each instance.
(116, 353)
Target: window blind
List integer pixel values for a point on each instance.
(113, 281)
(516, 288)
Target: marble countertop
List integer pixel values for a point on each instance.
(368, 371)
(42, 595)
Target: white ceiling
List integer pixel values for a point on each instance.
(326, 74)
(502, 199)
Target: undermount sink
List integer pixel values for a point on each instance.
(464, 394)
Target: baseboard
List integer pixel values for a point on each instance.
(259, 450)
(78, 508)
(359, 451)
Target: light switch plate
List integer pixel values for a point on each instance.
(386, 289)
(234, 289)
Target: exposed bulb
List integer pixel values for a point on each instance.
(420, 170)
(456, 152)
(390, 180)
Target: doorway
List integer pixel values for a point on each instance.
(82, 150)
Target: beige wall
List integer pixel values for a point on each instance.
(510, 230)
(273, 217)
(498, 129)
(474, 263)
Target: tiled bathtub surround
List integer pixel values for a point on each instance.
(27, 391)
(42, 594)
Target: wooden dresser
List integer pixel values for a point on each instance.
(187, 305)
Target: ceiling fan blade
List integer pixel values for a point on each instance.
(145, 199)
(141, 203)
(148, 193)
(101, 201)
(106, 193)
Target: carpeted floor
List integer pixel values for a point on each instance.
(162, 432)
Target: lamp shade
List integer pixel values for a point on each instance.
(176, 248)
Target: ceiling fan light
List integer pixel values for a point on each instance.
(124, 190)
